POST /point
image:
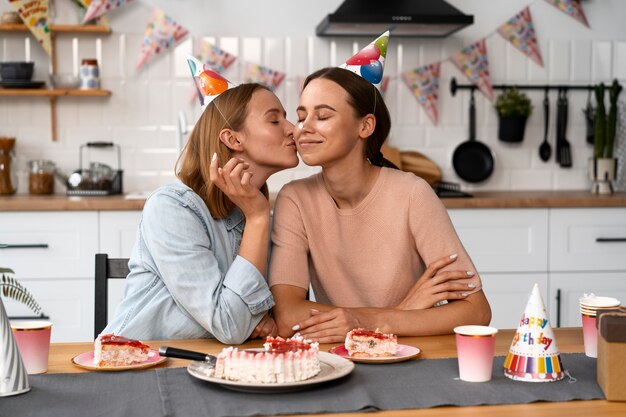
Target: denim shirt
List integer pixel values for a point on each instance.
(186, 279)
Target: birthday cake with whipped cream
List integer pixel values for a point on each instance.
(281, 361)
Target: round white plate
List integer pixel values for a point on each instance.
(403, 353)
(333, 367)
(85, 361)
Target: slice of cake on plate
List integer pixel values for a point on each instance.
(282, 361)
(112, 350)
(362, 343)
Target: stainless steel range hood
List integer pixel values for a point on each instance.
(407, 18)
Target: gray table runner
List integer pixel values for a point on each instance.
(173, 392)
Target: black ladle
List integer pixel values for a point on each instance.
(545, 150)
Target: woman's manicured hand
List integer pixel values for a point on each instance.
(330, 326)
(435, 286)
(266, 327)
(234, 180)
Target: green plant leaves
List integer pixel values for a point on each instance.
(11, 288)
(513, 103)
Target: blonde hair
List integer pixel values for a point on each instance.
(228, 110)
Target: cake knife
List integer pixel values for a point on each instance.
(172, 352)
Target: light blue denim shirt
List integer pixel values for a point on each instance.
(186, 279)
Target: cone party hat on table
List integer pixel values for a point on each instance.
(369, 62)
(534, 354)
(13, 376)
(209, 83)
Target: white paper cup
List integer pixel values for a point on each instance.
(33, 342)
(475, 346)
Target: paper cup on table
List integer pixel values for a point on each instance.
(475, 346)
(589, 306)
(534, 354)
(33, 342)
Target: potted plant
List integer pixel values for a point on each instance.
(602, 166)
(513, 109)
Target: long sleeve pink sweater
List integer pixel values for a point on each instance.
(368, 256)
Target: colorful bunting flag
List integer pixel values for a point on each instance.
(96, 8)
(572, 8)
(161, 33)
(34, 13)
(472, 61)
(520, 31)
(258, 74)
(424, 83)
(214, 57)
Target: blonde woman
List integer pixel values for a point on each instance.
(199, 263)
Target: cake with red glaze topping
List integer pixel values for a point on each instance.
(282, 361)
(112, 350)
(362, 342)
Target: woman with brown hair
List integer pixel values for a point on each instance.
(375, 244)
(199, 263)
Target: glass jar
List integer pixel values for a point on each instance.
(8, 176)
(89, 74)
(41, 177)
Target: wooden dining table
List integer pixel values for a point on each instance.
(570, 340)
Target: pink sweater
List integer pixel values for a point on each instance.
(368, 256)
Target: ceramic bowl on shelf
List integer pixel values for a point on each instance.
(64, 81)
(14, 71)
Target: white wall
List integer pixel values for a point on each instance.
(141, 113)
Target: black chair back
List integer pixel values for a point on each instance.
(106, 268)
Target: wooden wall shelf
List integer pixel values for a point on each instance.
(19, 27)
(42, 92)
(54, 93)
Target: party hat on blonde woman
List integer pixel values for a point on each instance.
(534, 354)
(369, 62)
(209, 83)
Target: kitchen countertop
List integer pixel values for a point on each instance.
(481, 199)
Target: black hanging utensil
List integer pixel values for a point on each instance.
(590, 119)
(545, 150)
(566, 154)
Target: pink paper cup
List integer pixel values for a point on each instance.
(33, 342)
(475, 346)
(590, 335)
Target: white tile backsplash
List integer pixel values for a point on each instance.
(141, 114)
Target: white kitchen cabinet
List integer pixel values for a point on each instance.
(508, 294)
(60, 276)
(68, 302)
(504, 240)
(572, 285)
(588, 239)
(72, 239)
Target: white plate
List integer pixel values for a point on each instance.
(85, 361)
(333, 367)
(403, 353)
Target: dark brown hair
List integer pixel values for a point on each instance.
(365, 99)
(228, 110)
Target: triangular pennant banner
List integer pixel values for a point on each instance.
(369, 62)
(473, 62)
(161, 33)
(97, 8)
(270, 78)
(534, 354)
(214, 57)
(34, 13)
(520, 31)
(572, 8)
(424, 83)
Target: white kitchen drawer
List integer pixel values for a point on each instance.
(72, 239)
(68, 302)
(508, 295)
(574, 284)
(573, 239)
(504, 240)
(118, 232)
